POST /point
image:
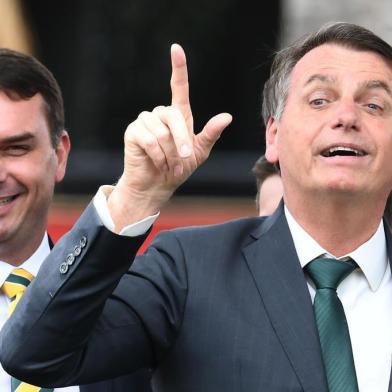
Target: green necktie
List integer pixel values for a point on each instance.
(14, 287)
(331, 321)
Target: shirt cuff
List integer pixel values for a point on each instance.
(132, 230)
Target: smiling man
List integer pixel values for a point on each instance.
(297, 301)
(29, 168)
(34, 149)
(33, 154)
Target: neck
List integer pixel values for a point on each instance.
(340, 225)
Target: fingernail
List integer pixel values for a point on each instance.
(185, 151)
(178, 170)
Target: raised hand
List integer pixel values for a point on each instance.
(162, 150)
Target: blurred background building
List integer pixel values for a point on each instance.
(111, 59)
(298, 17)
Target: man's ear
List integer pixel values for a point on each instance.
(271, 141)
(62, 152)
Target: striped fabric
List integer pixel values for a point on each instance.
(14, 287)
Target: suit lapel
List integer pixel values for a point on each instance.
(51, 244)
(276, 270)
(389, 251)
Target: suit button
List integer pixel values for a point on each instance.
(77, 250)
(63, 268)
(70, 259)
(83, 241)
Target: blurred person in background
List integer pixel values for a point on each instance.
(34, 148)
(269, 186)
(15, 32)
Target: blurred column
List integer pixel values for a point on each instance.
(303, 16)
(14, 31)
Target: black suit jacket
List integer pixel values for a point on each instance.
(218, 308)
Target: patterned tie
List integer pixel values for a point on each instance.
(14, 287)
(331, 321)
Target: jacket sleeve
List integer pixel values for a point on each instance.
(94, 311)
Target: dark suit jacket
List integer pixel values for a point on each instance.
(219, 308)
(138, 381)
(135, 382)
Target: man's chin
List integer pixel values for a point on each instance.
(10, 226)
(5, 235)
(343, 184)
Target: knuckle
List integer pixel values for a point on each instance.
(131, 126)
(163, 134)
(150, 142)
(144, 115)
(174, 111)
(160, 159)
(159, 109)
(173, 161)
(174, 82)
(131, 130)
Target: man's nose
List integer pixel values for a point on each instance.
(346, 117)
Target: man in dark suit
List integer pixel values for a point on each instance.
(34, 149)
(229, 307)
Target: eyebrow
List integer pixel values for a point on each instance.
(321, 78)
(377, 84)
(22, 137)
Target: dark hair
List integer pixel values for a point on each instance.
(388, 211)
(344, 34)
(262, 169)
(23, 76)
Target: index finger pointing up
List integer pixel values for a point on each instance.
(179, 82)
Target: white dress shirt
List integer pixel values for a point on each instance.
(132, 230)
(366, 295)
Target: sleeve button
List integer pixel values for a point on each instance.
(63, 268)
(83, 241)
(70, 259)
(77, 250)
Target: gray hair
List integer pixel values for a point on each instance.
(345, 34)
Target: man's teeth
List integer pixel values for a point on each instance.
(343, 151)
(5, 200)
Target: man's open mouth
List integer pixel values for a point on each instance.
(343, 152)
(7, 199)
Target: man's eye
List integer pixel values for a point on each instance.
(318, 102)
(374, 106)
(17, 150)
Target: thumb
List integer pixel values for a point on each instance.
(211, 132)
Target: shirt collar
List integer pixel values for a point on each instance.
(371, 256)
(32, 264)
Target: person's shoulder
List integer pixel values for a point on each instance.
(235, 224)
(236, 228)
